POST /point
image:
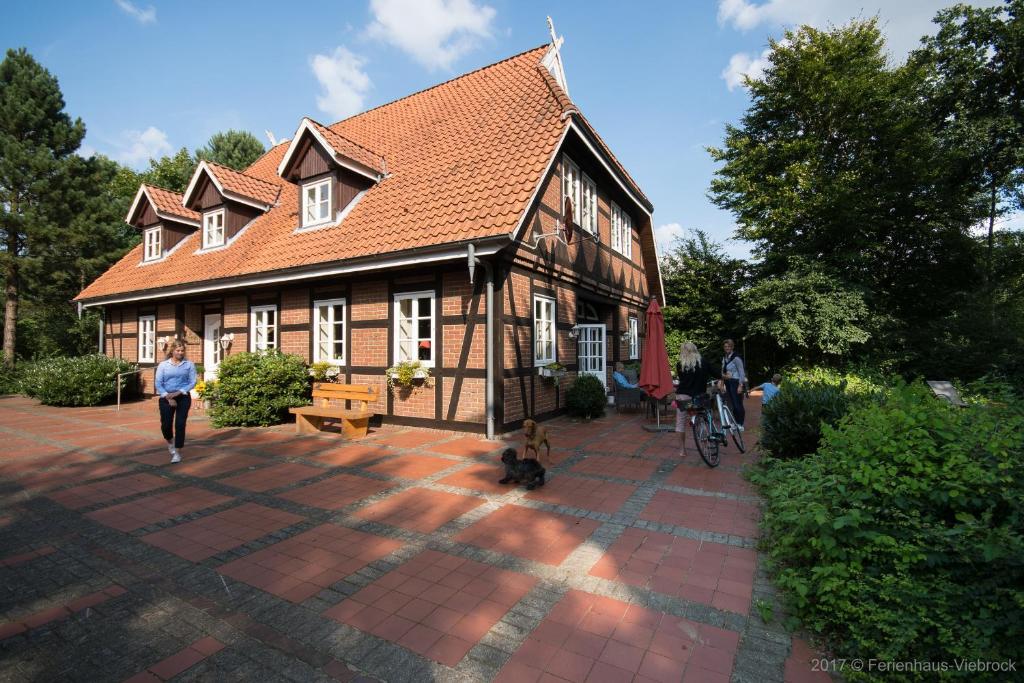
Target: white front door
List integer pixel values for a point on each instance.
(212, 351)
(590, 351)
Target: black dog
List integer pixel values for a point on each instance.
(527, 471)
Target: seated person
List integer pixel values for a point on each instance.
(771, 389)
(620, 379)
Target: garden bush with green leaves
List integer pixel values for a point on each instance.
(901, 538)
(791, 424)
(586, 397)
(257, 389)
(80, 381)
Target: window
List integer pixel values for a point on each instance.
(153, 246)
(588, 205)
(329, 331)
(543, 330)
(622, 231)
(634, 338)
(316, 202)
(414, 328)
(213, 229)
(147, 338)
(264, 328)
(570, 187)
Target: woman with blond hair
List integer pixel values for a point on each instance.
(175, 378)
(693, 374)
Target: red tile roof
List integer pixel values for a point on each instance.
(463, 158)
(168, 202)
(350, 149)
(257, 189)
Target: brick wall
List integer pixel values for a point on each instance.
(295, 310)
(236, 319)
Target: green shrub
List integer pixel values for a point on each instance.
(81, 381)
(10, 380)
(258, 389)
(586, 397)
(901, 538)
(791, 424)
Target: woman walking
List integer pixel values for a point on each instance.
(693, 373)
(175, 378)
(735, 377)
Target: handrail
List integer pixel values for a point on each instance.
(119, 376)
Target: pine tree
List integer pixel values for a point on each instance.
(236, 149)
(37, 140)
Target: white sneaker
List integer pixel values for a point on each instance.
(175, 456)
(170, 448)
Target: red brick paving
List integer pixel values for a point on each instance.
(419, 509)
(709, 573)
(703, 478)
(709, 513)
(592, 638)
(579, 492)
(799, 668)
(17, 468)
(412, 466)
(217, 465)
(435, 604)
(546, 537)
(273, 477)
(355, 455)
(482, 477)
(102, 491)
(179, 662)
(158, 507)
(15, 560)
(300, 567)
(222, 531)
(16, 448)
(71, 475)
(336, 492)
(615, 466)
(468, 446)
(46, 616)
(409, 439)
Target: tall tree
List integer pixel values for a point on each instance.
(236, 149)
(37, 139)
(835, 164)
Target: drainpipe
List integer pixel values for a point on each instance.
(103, 315)
(472, 262)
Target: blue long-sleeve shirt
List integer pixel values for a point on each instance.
(171, 377)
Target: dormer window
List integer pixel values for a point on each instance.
(316, 202)
(151, 238)
(213, 229)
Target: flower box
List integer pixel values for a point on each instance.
(551, 372)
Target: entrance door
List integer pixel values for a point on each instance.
(590, 351)
(212, 351)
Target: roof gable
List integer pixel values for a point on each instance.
(343, 151)
(231, 184)
(167, 205)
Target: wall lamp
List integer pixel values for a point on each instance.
(226, 339)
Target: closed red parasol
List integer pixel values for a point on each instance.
(655, 374)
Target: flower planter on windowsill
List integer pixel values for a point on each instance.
(420, 374)
(549, 372)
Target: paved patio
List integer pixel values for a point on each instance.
(268, 556)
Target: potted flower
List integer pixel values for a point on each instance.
(323, 371)
(554, 370)
(200, 374)
(407, 374)
(204, 390)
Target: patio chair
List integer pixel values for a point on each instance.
(947, 392)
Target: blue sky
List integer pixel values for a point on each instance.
(658, 80)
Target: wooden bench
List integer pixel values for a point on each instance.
(354, 423)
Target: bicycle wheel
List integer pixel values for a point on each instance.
(734, 429)
(707, 444)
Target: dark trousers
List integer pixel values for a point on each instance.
(175, 415)
(732, 391)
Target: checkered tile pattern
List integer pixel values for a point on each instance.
(419, 509)
(222, 531)
(111, 489)
(336, 492)
(710, 513)
(546, 537)
(581, 492)
(146, 511)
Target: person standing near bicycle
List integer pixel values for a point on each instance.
(693, 374)
(735, 377)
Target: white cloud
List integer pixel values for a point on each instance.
(343, 80)
(742, 64)
(902, 23)
(137, 147)
(434, 32)
(143, 16)
(665, 235)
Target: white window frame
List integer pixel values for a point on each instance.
(634, 338)
(622, 231)
(330, 305)
(570, 187)
(207, 233)
(147, 338)
(254, 312)
(328, 182)
(545, 328)
(588, 206)
(152, 239)
(399, 298)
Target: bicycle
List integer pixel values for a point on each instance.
(724, 420)
(702, 426)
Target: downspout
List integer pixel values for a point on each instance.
(472, 262)
(103, 316)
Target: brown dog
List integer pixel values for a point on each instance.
(535, 436)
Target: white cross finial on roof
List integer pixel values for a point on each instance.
(553, 59)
